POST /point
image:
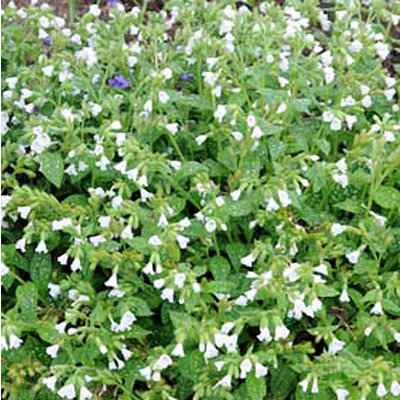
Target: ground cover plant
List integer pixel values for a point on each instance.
(201, 201)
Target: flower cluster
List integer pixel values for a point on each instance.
(201, 202)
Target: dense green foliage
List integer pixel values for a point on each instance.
(201, 202)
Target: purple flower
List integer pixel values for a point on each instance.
(112, 3)
(119, 82)
(48, 41)
(186, 77)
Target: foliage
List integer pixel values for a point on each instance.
(201, 202)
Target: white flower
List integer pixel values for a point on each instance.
(329, 75)
(395, 388)
(304, 384)
(337, 229)
(314, 388)
(146, 372)
(166, 73)
(367, 331)
(350, 120)
(272, 205)
(104, 221)
(381, 391)
(63, 259)
(210, 78)
(24, 211)
(219, 365)
(353, 256)
(335, 346)
(172, 128)
(281, 109)
(127, 233)
(377, 309)
(168, 294)
(397, 337)
(260, 370)
(67, 392)
(251, 121)
(41, 247)
(210, 225)
(50, 382)
(54, 290)
(341, 179)
(76, 265)
(226, 381)
(248, 260)
(182, 241)
(163, 96)
(4, 270)
(284, 198)
(342, 394)
(176, 164)
(382, 50)
(210, 351)
(201, 139)
(85, 393)
(257, 133)
(237, 135)
(236, 194)
(366, 101)
(12, 82)
(95, 109)
(14, 341)
(126, 321)
(48, 71)
(95, 10)
(179, 279)
(52, 350)
(178, 351)
(163, 362)
(355, 46)
(196, 287)
(155, 241)
(148, 269)
(327, 116)
(265, 335)
(87, 54)
(344, 297)
(281, 332)
(112, 281)
(127, 354)
(245, 368)
(336, 124)
(220, 112)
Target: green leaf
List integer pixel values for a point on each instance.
(78, 199)
(236, 251)
(225, 287)
(256, 387)
(190, 367)
(350, 205)
(327, 291)
(283, 381)
(27, 299)
(391, 307)
(219, 267)
(188, 169)
(140, 307)
(238, 208)
(387, 197)
(52, 167)
(40, 269)
(47, 332)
